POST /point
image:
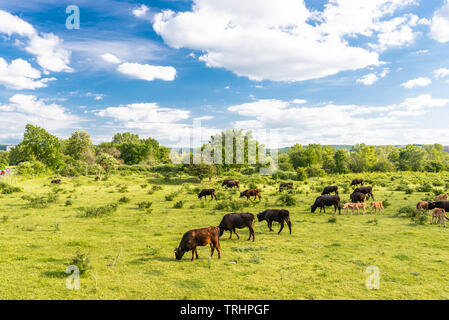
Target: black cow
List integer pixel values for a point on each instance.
(251, 193)
(231, 183)
(56, 181)
(439, 204)
(357, 182)
(232, 221)
(326, 201)
(285, 185)
(207, 192)
(367, 191)
(357, 197)
(278, 215)
(329, 190)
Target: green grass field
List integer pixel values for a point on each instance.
(320, 260)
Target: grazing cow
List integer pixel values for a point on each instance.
(251, 193)
(377, 206)
(323, 201)
(357, 197)
(439, 215)
(231, 183)
(422, 205)
(329, 190)
(207, 192)
(278, 215)
(357, 182)
(441, 197)
(232, 221)
(367, 191)
(285, 185)
(439, 204)
(56, 181)
(199, 237)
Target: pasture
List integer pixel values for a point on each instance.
(131, 248)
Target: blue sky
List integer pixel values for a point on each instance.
(330, 72)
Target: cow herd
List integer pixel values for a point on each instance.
(439, 207)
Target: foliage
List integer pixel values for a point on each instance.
(98, 211)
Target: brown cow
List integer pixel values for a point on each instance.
(442, 197)
(231, 183)
(422, 205)
(199, 237)
(231, 221)
(285, 185)
(251, 193)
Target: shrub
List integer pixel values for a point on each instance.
(124, 200)
(178, 205)
(409, 211)
(8, 189)
(144, 204)
(287, 200)
(81, 261)
(98, 211)
(68, 203)
(171, 196)
(419, 218)
(386, 203)
(40, 202)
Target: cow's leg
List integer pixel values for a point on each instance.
(236, 233)
(196, 252)
(282, 226)
(217, 247)
(251, 233)
(230, 236)
(211, 249)
(270, 223)
(193, 254)
(289, 224)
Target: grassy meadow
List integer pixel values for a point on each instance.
(131, 248)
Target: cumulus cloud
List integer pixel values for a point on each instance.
(141, 11)
(345, 124)
(285, 41)
(147, 72)
(441, 73)
(22, 109)
(109, 57)
(47, 47)
(371, 78)
(439, 27)
(19, 75)
(418, 82)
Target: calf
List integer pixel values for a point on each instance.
(326, 201)
(207, 192)
(251, 193)
(56, 181)
(285, 185)
(357, 182)
(278, 215)
(232, 221)
(377, 206)
(439, 215)
(367, 191)
(231, 183)
(358, 206)
(347, 206)
(357, 197)
(199, 237)
(441, 197)
(329, 190)
(422, 205)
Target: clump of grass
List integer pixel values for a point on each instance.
(287, 200)
(82, 261)
(171, 196)
(122, 189)
(68, 203)
(332, 220)
(124, 200)
(39, 202)
(99, 211)
(144, 205)
(8, 189)
(179, 204)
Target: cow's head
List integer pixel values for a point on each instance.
(432, 205)
(312, 208)
(242, 194)
(179, 253)
(261, 216)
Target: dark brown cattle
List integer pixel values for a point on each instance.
(231, 183)
(199, 238)
(207, 192)
(367, 191)
(251, 193)
(278, 215)
(329, 190)
(232, 221)
(326, 201)
(285, 185)
(56, 181)
(357, 197)
(357, 182)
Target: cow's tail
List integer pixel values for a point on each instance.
(446, 217)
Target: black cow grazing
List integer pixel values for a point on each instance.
(357, 182)
(278, 215)
(207, 192)
(439, 204)
(329, 190)
(285, 185)
(251, 193)
(326, 201)
(357, 197)
(367, 191)
(232, 221)
(199, 237)
(231, 183)
(56, 181)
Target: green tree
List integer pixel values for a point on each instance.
(202, 170)
(108, 163)
(341, 161)
(78, 145)
(412, 158)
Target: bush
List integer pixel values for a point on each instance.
(287, 200)
(39, 202)
(144, 204)
(315, 171)
(82, 262)
(8, 189)
(178, 205)
(124, 200)
(68, 203)
(98, 211)
(408, 211)
(301, 174)
(171, 196)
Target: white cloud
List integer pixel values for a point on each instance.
(23, 109)
(439, 28)
(299, 101)
(19, 75)
(109, 57)
(368, 79)
(441, 73)
(418, 82)
(147, 72)
(141, 11)
(47, 47)
(344, 124)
